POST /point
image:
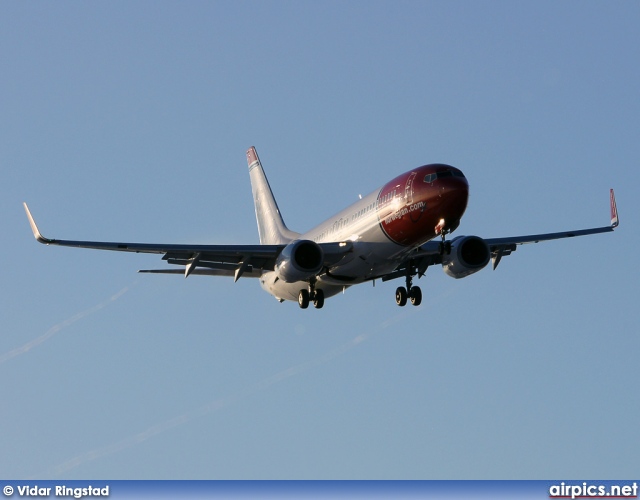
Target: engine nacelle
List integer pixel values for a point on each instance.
(299, 261)
(468, 255)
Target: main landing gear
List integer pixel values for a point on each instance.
(413, 293)
(311, 295)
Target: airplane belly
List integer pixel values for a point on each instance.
(289, 291)
(370, 259)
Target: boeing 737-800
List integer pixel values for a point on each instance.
(397, 231)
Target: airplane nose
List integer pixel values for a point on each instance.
(425, 202)
(454, 195)
(453, 187)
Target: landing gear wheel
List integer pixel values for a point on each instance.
(416, 295)
(401, 296)
(318, 299)
(303, 299)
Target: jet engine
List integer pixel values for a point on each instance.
(468, 255)
(299, 261)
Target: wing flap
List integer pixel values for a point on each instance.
(228, 273)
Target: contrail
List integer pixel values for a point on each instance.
(56, 328)
(218, 404)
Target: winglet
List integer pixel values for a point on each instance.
(614, 210)
(38, 236)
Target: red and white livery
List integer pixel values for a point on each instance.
(397, 231)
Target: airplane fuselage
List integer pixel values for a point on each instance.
(385, 227)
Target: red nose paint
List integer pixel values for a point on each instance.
(412, 205)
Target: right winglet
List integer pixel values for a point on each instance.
(614, 209)
(36, 233)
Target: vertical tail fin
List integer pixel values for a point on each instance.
(271, 227)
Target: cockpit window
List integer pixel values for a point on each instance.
(441, 175)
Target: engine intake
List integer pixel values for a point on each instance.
(468, 255)
(299, 261)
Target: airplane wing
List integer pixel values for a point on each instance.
(431, 252)
(504, 246)
(216, 260)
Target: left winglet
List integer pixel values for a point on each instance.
(36, 233)
(614, 209)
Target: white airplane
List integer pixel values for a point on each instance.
(385, 235)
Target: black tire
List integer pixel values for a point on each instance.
(303, 299)
(318, 299)
(401, 296)
(416, 295)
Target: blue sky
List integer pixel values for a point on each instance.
(129, 121)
